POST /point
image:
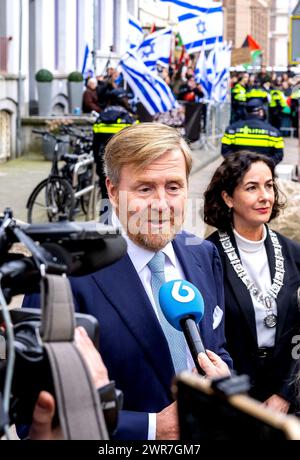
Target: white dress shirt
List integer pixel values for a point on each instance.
(140, 257)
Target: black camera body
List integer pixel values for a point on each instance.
(32, 370)
(70, 248)
(66, 247)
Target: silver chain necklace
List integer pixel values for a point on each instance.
(271, 319)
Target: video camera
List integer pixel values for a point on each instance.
(65, 248)
(32, 372)
(70, 248)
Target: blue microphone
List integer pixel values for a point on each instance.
(183, 306)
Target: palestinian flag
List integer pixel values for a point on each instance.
(254, 47)
(179, 49)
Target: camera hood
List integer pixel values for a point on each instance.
(82, 247)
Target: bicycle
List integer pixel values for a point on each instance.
(56, 198)
(82, 145)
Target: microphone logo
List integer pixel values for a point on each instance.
(182, 293)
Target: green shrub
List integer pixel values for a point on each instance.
(44, 75)
(75, 76)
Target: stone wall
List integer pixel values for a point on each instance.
(288, 222)
(32, 143)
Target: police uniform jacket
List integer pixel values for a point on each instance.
(253, 134)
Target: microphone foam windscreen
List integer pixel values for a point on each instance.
(178, 299)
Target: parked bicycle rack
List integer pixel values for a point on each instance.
(91, 189)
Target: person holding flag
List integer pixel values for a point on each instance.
(155, 95)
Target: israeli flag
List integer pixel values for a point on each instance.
(88, 63)
(222, 73)
(212, 72)
(135, 33)
(203, 75)
(156, 48)
(151, 90)
(200, 23)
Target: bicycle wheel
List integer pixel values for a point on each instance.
(51, 201)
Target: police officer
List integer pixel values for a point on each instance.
(111, 120)
(295, 108)
(257, 92)
(238, 98)
(254, 134)
(277, 106)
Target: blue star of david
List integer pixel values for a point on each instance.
(201, 27)
(149, 49)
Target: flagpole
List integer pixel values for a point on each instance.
(95, 22)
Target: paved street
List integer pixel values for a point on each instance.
(17, 180)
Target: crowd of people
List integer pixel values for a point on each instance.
(278, 92)
(102, 89)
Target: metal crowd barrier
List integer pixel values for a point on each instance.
(217, 120)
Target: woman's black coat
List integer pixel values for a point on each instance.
(240, 327)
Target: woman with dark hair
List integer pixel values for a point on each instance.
(261, 276)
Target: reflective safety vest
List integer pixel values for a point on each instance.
(112, 120)
(257, 93)
(109, 128)
(239, 93)
(278, 99)
(252, 137)
(255, 135)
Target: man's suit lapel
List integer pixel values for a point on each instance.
(135, 309)
(188, 264)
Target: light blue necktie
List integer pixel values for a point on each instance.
(175, 339)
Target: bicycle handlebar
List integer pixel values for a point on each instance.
(47, 133)
(40, 132)
(77, 132)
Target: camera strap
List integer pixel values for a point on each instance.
(79, 410)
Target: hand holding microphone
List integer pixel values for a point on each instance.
(213, 366)
(183, 306)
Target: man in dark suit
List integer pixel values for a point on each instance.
(147, 169)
